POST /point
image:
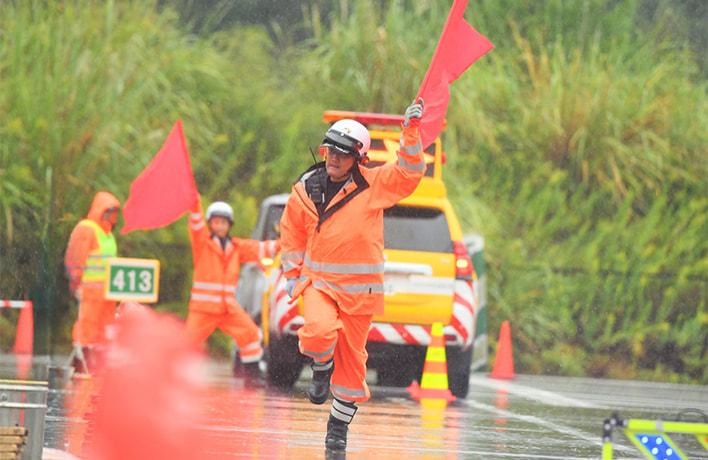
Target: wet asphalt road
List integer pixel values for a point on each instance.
(534, 417)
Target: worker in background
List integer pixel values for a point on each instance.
(332, 255)
(217, 259)
(90, 246)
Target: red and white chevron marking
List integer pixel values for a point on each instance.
(15, 303)
(459, 332)
(284, 319)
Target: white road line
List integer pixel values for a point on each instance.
(546, 397)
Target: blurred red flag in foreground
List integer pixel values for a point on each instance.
(148, 406)
(165, 189)
(459, 46)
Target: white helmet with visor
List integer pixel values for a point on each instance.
(348, 137)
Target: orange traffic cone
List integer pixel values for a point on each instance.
(433, 385)
(504, 360)
(25, 330)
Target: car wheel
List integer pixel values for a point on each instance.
(458, 370)
(284, 362)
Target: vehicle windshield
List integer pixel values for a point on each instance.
(271, 229)
(416, 229)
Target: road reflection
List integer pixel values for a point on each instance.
(529, 418)
(271, 424)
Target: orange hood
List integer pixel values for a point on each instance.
(101, 202)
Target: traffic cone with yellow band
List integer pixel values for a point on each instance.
(434, 384)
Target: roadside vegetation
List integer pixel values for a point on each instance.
(578, 148)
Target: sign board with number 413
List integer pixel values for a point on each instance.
(133, 279)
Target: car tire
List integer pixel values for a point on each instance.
(459, 363)
(285, 362)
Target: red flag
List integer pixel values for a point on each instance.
(459, 46)
(165, 189)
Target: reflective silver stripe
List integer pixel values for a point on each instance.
(100, 256)
(344, 269)
(261, 250)
(215, 287)
(94, 269)
(95, 284)
(320, 366)
(322, 354)
(206, 298)
(195, 215)
(252, 346)
(343, 408)
(403, 163)
(349, 392)
(369, 288)
(288, 265)
(298, 255)
(198, 225)
(342, 412)
(411, 150)
(271, 247)
(212, 286)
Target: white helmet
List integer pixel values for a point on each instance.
(221, 209)
(349, 136)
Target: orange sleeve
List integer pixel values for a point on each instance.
(395, 181)
(293, 236)
(198, 230)
(255, 250)
(81, 242)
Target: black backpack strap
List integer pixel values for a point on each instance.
(362, 184)
(315, 181)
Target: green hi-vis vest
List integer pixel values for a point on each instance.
(95, 269)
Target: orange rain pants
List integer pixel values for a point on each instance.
(329, 332)
(235, 322)
(95, 313)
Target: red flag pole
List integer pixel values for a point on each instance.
(457, 9)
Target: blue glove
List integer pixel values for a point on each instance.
(290, 286)
(414, 113)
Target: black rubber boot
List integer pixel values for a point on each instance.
(253, 375)
(340, 417)
(318, 389)
(336, 439)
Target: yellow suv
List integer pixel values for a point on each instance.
(429, 277)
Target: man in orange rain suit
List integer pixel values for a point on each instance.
(332, 254)
(91, 244)
(217, 262)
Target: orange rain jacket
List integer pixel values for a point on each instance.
(216, 270)
(213, 298)
(85, 250)
(337, 257)
(341, 252)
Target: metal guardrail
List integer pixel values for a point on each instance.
(652, 438)
(23, 403)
